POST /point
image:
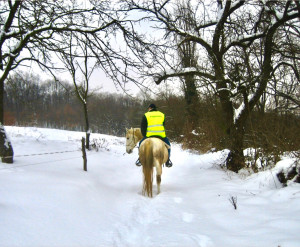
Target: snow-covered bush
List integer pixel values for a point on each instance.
(99, 143)
(259, 160)
(291, 173)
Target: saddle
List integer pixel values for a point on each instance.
(159, 137)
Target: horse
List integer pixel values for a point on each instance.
(153, 152)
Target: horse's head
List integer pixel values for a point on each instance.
(131, 140)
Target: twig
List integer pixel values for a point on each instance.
(233, 201)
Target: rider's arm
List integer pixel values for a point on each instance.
(144, 125)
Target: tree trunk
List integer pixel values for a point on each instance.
(1, 101)
(6, 150)
(236, 160)
(87, 126)
(191, 98)
(235, 130)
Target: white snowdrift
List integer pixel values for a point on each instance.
(48, 200)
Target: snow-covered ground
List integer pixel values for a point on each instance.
(48, 200)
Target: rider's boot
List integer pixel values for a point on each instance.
(138, 163)
(169, 163)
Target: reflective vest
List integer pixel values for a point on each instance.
(155, 120)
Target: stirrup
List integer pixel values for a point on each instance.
(138, 163)
(169, 163)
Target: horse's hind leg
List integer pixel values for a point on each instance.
(158, 180)
(158, 177)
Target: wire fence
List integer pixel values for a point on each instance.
(43, 162)
(27, 155)
(60, 152)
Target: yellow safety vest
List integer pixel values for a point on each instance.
(155, 120)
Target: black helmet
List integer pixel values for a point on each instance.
(152, 106)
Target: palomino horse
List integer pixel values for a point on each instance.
(153, 152)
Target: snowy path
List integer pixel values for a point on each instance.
(48, 200)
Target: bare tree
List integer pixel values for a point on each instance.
(78, 59)
(31, 31)
(237, 42)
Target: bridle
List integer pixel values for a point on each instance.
(132, 141)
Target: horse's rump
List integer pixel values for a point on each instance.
(146, 158)
(152, 152)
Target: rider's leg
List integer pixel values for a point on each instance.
(169, 162)
(142, 140)
(138, 163)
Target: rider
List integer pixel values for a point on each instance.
(153, 125)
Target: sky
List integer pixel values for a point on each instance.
(98, 81)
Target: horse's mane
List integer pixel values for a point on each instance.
(137, 132)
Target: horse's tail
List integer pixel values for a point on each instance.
(147, 162)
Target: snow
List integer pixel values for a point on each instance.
(48, 200)
(189, 69)
(241, 108)
(246, 37)
(238, 111)
(220, 11)
(278, 14)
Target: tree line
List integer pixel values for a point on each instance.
(29, 101)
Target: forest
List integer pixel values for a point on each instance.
(29, 101)
(237, 64)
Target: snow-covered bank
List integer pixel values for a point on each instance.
(48, 200)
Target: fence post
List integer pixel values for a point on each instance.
(84, 154)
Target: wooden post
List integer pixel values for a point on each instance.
(84, 154)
